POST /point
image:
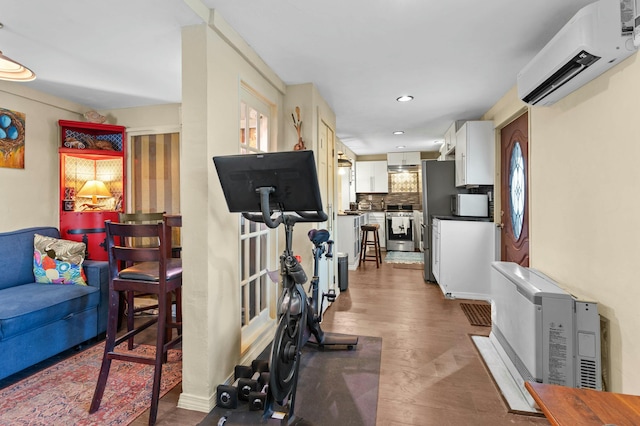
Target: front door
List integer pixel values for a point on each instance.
(515, 191)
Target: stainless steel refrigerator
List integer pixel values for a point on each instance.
(438, 184)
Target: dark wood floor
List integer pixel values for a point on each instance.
(431, 373)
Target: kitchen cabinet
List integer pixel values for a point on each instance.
(349, 238)
(92, 182)
(378, 218)
(444, 154)
(371, 176)
(463, 252)
(435, 246)
(475, 154)
(403, 159)
(450, 138)
(448, 148)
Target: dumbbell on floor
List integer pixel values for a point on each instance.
(227, 395)
(247, 380)
(252, 384)
(257, 399)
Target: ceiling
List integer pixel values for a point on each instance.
(456, 58)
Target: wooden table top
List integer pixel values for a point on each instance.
(564, 406)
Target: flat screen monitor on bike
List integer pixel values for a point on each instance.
(292, 174)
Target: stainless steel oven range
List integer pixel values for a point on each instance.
(400, 226)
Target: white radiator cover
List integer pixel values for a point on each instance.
(547, 334)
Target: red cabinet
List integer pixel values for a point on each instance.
(92, 181)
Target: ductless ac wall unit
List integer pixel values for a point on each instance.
(594, 40)
(548, 335)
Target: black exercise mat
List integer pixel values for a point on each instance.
(335, 387)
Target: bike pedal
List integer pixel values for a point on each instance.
(331, 296)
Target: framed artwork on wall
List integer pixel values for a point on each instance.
(11, 139)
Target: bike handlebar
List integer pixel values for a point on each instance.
(265, 215)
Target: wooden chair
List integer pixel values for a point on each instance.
(148, 270)
(366, 243)
(127, 299)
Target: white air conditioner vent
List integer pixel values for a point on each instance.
(589, 44)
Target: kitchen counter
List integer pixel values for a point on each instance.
(463, 218)
(358, 212)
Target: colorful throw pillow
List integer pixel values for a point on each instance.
(58, 261)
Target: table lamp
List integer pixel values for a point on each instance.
(94, 189)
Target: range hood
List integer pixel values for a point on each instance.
(398, 162)
(402, 169)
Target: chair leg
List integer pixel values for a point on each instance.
(363, 247)
(378, 248)
(160, 357)
(376, 244)
(179, 309)
(109, 345)
(130, 317)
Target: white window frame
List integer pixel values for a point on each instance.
(256, 327)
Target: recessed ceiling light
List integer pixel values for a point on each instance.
(400, 146)
(399, 132)
(404, 98)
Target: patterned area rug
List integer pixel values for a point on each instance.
(404, 257)
(61, 394)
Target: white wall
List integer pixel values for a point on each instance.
(212, 73)
(584, 185)
(30, 195)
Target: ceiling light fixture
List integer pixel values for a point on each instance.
(14, 71)
(404, 98)
(399, 132)
(343, 162)
(400, 146)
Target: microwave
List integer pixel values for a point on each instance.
(476, 205)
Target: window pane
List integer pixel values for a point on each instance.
(243, 122)
(242, 260)
(252, 299)
(253, 128)
(263, 291)
(253, 256)
(243, 319)
(517, 190)
(263, 252)
(264, 133)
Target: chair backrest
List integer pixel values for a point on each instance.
(141, 217)
(121, 253)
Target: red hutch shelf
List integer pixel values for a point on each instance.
(92, 181)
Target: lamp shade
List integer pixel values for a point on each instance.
(14, 71)
(94, 189)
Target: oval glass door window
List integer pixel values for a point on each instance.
(517, 189)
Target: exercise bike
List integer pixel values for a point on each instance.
(266, 177)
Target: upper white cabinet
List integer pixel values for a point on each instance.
(371, 176)
(475, 154)
(403, 158)
(450, 138)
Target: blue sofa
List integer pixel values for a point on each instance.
(38, 321)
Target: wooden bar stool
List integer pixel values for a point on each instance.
(374, 242)
(148, 270)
